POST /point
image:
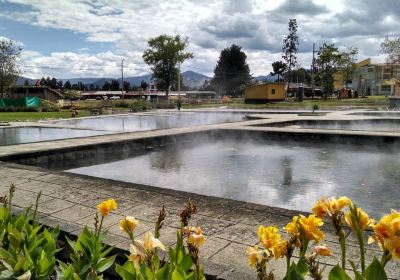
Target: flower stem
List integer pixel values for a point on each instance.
(101, 224)
(342, 240)
(287, 266)
(362, 252)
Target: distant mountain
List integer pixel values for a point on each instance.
(268, 78)
(190, 79)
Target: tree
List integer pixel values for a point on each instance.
(9, 54)
(279, 67)
(347, 64)
(327, 65)
(232, 71)
(26, 83)
(114, 85)
(143, 85)
(289, 48)
(127, 86)
(163, 55)
(106, 86)
(59, 84)
(391, 48)
(67, 85)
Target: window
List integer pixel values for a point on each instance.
(273, 91)
(370, 69)
(386, 88)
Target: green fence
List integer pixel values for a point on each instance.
(20, 102)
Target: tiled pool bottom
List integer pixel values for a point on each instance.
(288, 175)
(154, 121)
(20, 135)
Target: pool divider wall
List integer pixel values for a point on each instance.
(66, 158)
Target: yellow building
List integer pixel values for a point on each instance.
(267, 92)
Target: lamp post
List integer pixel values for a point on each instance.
(122, 73)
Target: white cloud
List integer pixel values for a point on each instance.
(257, 25)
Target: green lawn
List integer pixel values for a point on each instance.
(30, 116)
(372, 102)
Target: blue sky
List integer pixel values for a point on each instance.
(89, 38)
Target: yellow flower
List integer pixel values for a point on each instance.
(393, 245)
(321, 207)
(128, 224)
(322, 251)
(254, 255)
(330, 206)
(269, 236)
(150, 242)
(280, 249)
(196, 238)
(137, 256)
(310, 227)
(292, 228)
(336, 205)
(360, 217)
(387, 228)
(106, 206)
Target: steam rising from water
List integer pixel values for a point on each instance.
(290, 175)
(142, 123)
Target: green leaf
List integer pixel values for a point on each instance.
(302, 267)
(126, 272)
(105, 264)
(178, 274)
(337, 273)
(375, 271)
(186, 263)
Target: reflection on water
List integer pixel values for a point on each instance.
(288, 176)
(388, 125)
(151, 122)
(19, 135)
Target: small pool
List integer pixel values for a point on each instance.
(382, 125)
(287, 175)
(154, 121)
(20, 135)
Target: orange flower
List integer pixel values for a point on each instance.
(393, 245)
(330, 206)
(196, 238)
(323, 251)
(360, 217)
(128, 224)
(292, 228)
(269, 236)
(254, 255)
(280, 249)
(106, 206)
(310, 227)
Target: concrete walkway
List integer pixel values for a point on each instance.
(69, 200)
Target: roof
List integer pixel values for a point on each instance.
(40, 87)
(264, 84)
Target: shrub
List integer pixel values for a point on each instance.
(89, 256)
(165, 105)
(48, 106)
(140, 105)
(121, 104)
(315, 107)
(27, 249)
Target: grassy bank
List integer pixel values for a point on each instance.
(31, 116)
(372, 102)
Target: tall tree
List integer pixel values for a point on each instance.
(106, 86)
(279, 67)
(67, 85)
(143, 85)
(347, 64)
(127, 86)
(232, 71)
(391, 48)
(26, 83)
(9, 55)
(290, 44)
(59, 84)
(327, 64)
(114, 85)
(163, 54)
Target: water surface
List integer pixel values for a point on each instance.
(154, 121)
(19, 135)
(290, 176)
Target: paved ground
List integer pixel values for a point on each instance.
(69, 200)
(230, 226)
